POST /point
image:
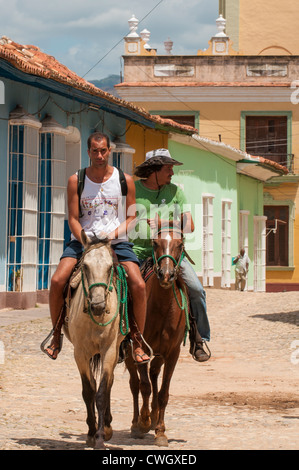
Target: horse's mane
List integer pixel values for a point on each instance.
(97, 241)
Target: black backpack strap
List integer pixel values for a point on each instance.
(123, 182)
(81, 180)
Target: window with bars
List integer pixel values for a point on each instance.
(259, 265)
(208, 243)
(267, 136)
(226, 244)
(277, 246)
(36, 201)
(22, 206)
(52, 186)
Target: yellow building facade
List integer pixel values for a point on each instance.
(262, 27)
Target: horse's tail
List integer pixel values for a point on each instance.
(95, 363)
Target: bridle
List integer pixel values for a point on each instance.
(121, 290)
(184, 302)
(109, 287)
(177, 263)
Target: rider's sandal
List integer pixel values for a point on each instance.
(51, 346)
(144, 361)
(135, 355)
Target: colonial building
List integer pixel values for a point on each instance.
(240, 91)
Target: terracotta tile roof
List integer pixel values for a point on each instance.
(31, 60)
(280, 168)
(203, 84)
(238, 155)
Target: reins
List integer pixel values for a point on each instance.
(184, 304)
(122, 295)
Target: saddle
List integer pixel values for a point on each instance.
(147, 268)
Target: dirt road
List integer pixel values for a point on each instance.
(245, 397)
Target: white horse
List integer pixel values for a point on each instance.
(93, 327)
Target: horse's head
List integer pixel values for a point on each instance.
(168, 249)
(97, 272)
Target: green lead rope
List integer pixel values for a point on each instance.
(122, 298)
(184, 307)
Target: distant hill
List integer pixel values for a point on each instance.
(107, 84)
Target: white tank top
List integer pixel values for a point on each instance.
(103, 206)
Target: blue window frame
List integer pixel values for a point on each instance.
(15, 205)
(45, 206)
(117, 159)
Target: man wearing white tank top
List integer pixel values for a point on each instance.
(101, 214)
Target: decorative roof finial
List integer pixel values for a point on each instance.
(145, 36)
(168, 46)
(133, 25)
(221, 23)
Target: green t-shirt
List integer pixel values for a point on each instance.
(168, 203)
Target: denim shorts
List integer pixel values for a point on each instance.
(123, 250)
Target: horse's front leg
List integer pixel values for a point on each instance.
(104, 431)
(88, 394)
(103, 396)
(163, 396)
(144, 421)
(134, 386)
(155, 369)
(141, 421)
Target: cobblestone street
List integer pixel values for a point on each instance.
(245, 397)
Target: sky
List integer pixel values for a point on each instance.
(87, 35)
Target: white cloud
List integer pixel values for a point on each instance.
(80, 33)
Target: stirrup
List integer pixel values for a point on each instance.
(201, 346)
(149, 348)
(43, 346)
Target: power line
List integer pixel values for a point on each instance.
(97, 63)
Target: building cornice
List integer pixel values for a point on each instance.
(209, 93)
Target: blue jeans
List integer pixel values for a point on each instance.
(197, 298)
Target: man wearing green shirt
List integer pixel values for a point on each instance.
(155, 194)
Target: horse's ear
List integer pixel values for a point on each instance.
(84, 239)
(158, 221)
(155, 224)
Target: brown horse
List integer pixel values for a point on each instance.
(165, 329)
(93, 327)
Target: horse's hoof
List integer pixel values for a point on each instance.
(144, 425)
(108, 433)
(136, 433)
(90, 441)
(161, 441)
(99, 445)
